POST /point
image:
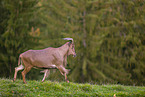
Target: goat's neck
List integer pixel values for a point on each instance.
(64, 49)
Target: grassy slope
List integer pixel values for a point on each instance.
(47, 88)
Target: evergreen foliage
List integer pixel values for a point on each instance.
(14, 37)
(109, 38)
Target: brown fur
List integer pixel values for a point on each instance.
(45, 58)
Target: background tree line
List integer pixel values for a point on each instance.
(109, 37)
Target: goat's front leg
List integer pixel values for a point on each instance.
(65, 60)
(66, 78)
(64, 72)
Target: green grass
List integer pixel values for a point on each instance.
(34, 88)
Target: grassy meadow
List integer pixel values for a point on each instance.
(34, 88)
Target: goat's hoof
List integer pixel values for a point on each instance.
(67, 81)
(14, 80)
(25, 82)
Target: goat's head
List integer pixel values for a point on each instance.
(71, 50)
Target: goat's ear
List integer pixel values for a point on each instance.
(69, 43)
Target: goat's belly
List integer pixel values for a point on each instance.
(43, 64)
(39, 61)
(47, 67)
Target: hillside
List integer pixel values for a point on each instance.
(37, 88)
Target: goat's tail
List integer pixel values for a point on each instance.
(19, 60)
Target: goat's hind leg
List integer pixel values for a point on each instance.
(20, 67)
(24, 72)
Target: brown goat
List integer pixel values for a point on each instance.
(46, 59)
